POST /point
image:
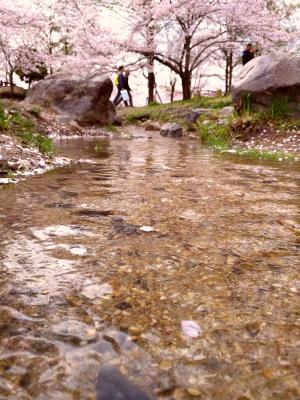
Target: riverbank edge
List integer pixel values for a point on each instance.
(27, 136)
(250, 135)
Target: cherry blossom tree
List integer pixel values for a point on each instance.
(182, 35)
(189, 33)
(143, 23)
(260, 22)
(61, 34)
(184, 38)
(17, 37)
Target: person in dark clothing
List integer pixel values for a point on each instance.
(127, 87)
(120, 86)
(248, 54)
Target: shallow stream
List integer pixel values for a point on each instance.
(83, 286)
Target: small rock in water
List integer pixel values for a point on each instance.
(172, 130)
(59, 231)
(42, 164)
(8, 314)
(73, 330)
(191, 215)
(111, 385)
(93, 290)
(124, 227)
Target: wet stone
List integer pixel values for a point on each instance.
(74, 331)
(94, 291)
(60, 231)
(123, 305)
(8, 315)
(120, 340)
(124, 227)
(95, 213)
(59, 205)
(66, 194)
(104, 347)
(172, 130)
(113, 385)
(32, 345)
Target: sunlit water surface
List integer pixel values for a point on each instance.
(82, 286)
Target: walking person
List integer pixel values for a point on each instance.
(119, 82)
(127, 87)
(248, 53)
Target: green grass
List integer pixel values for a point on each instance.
(214, 135)
(111, 128)
(278, 110)
(35, 111)
(246, 101)
(4, 119)
(24, 129)
(255, 154)
(21, 124)
(43, 143)
(176, 111)
(285, 124)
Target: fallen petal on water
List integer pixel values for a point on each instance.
(146, 229)
(191, 329)
(78, 250)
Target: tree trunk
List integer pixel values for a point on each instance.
(228, 70)
(172, 92)
(151, 87)
(150, 44)
(186, 80)
(151, 80)
(172, 87)
(11, 83)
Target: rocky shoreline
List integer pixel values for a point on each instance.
(18, 161)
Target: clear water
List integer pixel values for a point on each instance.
(82, 286)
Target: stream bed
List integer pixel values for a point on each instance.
(101, 261)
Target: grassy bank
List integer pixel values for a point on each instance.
(23, 128)
(174, 112)
(225, 133)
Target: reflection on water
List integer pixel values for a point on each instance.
(82, 286)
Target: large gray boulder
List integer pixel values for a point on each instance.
(85, 100)
(272, 80)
